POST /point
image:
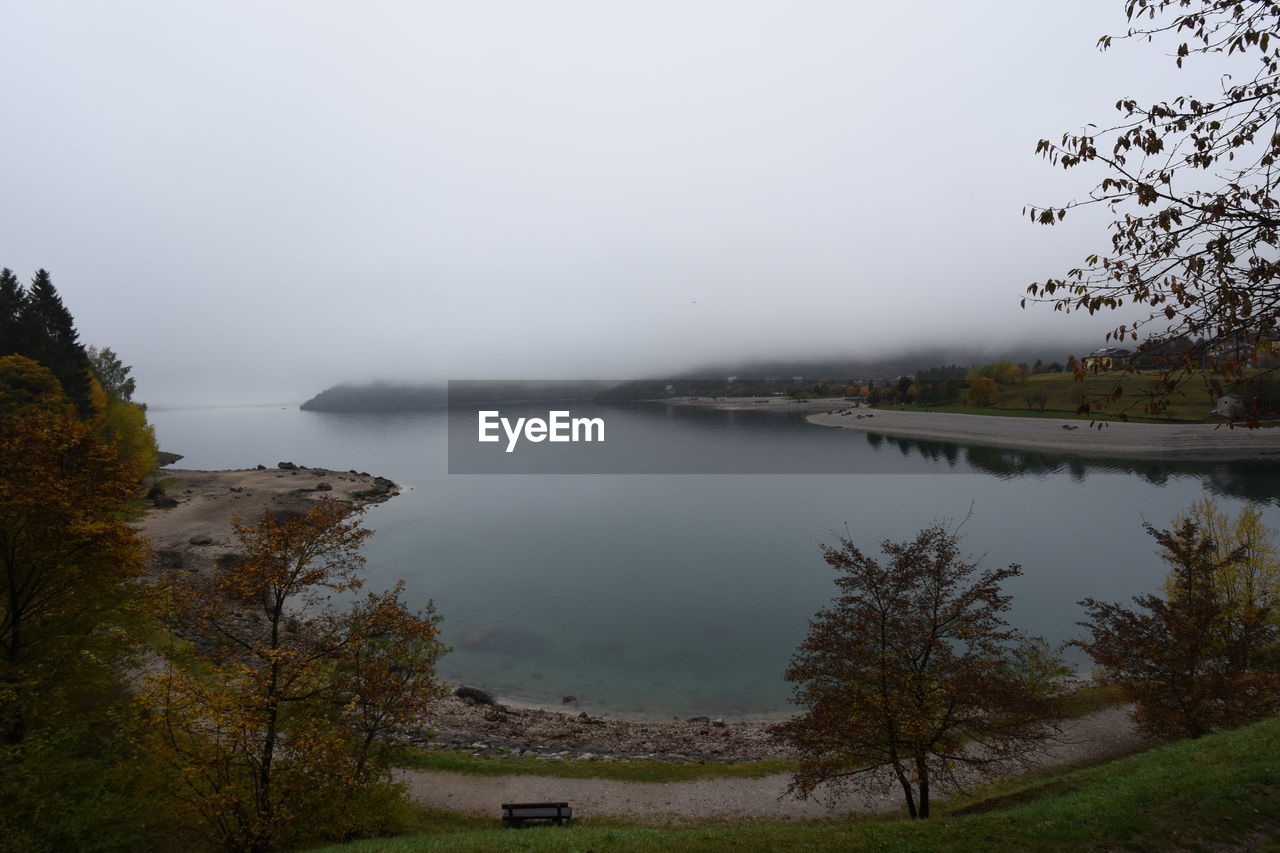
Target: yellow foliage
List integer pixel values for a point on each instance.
(281, 726)
(123, 425)
(983, 392)
(1249, 579)
(26, 387)
(67, 564)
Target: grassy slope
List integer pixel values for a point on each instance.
(1191, 403)
(1215, 793)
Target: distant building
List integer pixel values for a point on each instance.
(1107, 358)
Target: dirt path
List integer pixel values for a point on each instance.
(1098, 735)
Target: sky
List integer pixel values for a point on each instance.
(250, 201)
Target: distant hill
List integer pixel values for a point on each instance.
(377, 397)
(709, 379)
(888, 366)
(411, 397)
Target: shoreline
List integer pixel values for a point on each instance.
(1189, 442)
(195, 535)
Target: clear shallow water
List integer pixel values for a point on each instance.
(654, 595)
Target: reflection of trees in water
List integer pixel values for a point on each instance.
(1238, 478)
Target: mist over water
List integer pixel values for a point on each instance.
(652, 595)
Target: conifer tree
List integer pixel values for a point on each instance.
(12, 299)
(53, 340)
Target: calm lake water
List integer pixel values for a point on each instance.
(680, 594)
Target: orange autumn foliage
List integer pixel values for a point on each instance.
(284, 716)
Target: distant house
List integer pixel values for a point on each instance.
(1107, 358)
(1246, 349)
(1162, 353)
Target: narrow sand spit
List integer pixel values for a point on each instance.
(1115, 438)
(197, 534)
(1170, 441)
(1099, 735)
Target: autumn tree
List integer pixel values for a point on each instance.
(1191, 184)
(983, 392)
(1248, 576)
(35, 324)
(914, 669)
(123, 426)
(1188, 663)
(277, 725)
(1003, 372)
(71, 615)
(385, 681)
(27, 388)
(67, 560)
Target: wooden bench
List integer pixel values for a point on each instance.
(517, 813)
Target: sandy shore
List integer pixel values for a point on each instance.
(1135, 440)
(1168, 441)
(196, 534)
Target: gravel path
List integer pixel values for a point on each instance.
(1098, 735)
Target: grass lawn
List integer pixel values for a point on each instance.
(1190, 404)
(637, 770)
(1218, 793)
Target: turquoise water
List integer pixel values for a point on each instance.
(653, 595)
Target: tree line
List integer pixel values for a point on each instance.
(41, 354)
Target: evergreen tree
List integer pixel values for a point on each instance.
(12, 300)
(54, 341)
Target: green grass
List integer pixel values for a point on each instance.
(1020, 413)
(1190, 404)
(1090, 700)
(1207, 794)
(140, 505)
(569, 768)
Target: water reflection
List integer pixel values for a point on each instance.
(687, 594)
(1246, 479)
